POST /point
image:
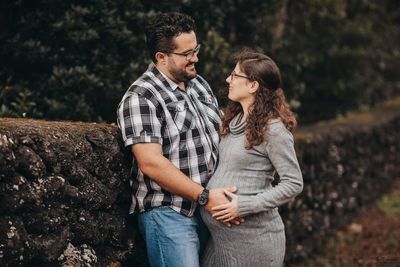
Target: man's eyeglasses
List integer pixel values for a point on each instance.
(189, 55)
(233, 74)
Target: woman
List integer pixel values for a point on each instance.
(255, 143)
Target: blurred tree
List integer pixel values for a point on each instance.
(74, 59)
(77, 58)
(329, 53)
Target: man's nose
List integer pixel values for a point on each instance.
(194, 59)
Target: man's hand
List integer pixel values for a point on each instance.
(228, 211)
(218, 197)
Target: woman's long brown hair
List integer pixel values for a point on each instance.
(269, 100)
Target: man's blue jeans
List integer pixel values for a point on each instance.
(172, 239)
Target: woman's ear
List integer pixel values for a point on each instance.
(161, 57)
(254, 85)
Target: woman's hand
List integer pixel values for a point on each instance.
(228, 211)
(218, 196)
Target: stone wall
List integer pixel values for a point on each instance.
(63, 194)
(64, 189)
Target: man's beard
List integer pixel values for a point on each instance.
(183, 75)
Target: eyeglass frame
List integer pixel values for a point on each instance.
(191, 53)
(233, 74)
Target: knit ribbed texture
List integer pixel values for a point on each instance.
(260, 240)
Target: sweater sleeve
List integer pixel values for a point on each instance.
(280, 150)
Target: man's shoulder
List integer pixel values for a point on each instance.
(144, 86)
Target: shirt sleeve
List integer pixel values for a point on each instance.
(280, 150)
(137, 119)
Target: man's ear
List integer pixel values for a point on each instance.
(161, 57)
(254, 85)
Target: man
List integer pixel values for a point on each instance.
(170, 118)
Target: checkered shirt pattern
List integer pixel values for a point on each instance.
(185, 123)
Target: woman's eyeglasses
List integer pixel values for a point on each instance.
(234, 74)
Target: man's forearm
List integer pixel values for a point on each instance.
(170, 178)
(153, 164)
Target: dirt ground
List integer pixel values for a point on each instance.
(372, 239)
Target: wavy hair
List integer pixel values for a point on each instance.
(269, 100)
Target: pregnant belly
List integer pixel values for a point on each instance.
(211, 223)
(219, 182)
(254, 226)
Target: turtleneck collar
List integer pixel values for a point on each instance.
(235, 127)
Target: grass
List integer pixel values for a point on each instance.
(390, 205)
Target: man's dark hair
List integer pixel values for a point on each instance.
(163, 28)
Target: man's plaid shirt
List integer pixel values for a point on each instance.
(185, 123)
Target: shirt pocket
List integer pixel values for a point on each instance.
(181, 115)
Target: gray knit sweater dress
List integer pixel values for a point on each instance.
(260, 240)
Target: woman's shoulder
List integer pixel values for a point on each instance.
(277, 128)
(276, 125)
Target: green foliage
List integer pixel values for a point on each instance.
(74, 60)
(390, 205)
(77, 59)
(21, 104)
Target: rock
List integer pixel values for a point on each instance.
(354, 228)
(47, 248)
(7, 157)
(30, 164)
(14, 242)
(81, 256)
